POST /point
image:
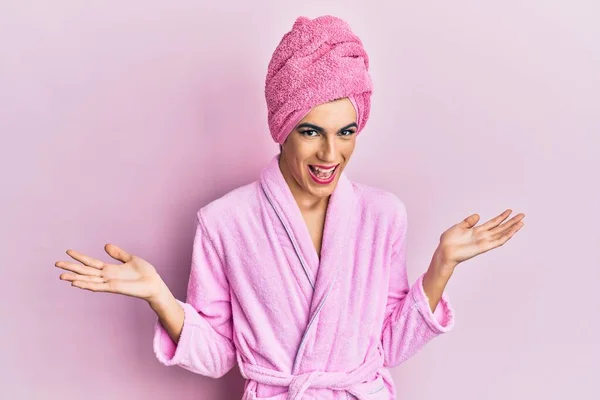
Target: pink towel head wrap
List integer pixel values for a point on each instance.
(318, 61)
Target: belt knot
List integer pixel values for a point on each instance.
(298, 384)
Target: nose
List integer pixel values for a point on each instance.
(328, 150)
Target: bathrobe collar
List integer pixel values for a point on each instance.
(321, 273)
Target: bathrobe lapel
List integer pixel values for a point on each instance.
(281, 199)
(321, 273)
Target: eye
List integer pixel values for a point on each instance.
(305, 133)
(349, 132)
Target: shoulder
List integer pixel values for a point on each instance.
(235, 205)
(380, 203)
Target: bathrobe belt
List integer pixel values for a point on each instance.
(298, 384)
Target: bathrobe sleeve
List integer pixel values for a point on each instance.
(205, 345)
(409, 323)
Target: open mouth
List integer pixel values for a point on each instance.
(323, 174)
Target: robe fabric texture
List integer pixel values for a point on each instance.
(300, 326)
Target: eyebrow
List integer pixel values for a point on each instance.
(319, 129)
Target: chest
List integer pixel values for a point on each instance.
(315, 223)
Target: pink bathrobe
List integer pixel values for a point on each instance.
(300, 326)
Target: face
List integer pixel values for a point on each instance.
(324, 138)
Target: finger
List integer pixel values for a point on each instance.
(79, 268)
(508, 224)
(92, 286)
(470, 221)
(502, 238)
(495, 221)
(110, 286)
(87, 260)
(117, 253)
(75, 277)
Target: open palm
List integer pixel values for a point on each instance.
(465, 240)
(133, 277)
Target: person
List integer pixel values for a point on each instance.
(300, 276)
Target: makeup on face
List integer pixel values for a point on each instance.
(321, 145)
(320, 173)
(311, 127)
(323, 174)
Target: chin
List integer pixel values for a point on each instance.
(320, 190)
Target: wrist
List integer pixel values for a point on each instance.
(162, 296)
(441, 267)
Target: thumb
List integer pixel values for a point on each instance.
(470, 221)
(117, 253)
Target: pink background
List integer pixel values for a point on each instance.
(120, 119)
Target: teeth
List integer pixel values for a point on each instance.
(323, 173)
(321, 170)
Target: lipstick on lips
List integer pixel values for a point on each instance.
(323, 174)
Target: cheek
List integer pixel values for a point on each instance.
(299, 151)
(344, 152)
(298, 166)
(349, 147)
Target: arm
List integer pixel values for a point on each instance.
(435, 280)
(170, 313)
(411, 318)
(198, 334)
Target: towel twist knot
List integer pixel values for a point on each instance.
(317, 61)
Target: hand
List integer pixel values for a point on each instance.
(135, 277)
(464, 240)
